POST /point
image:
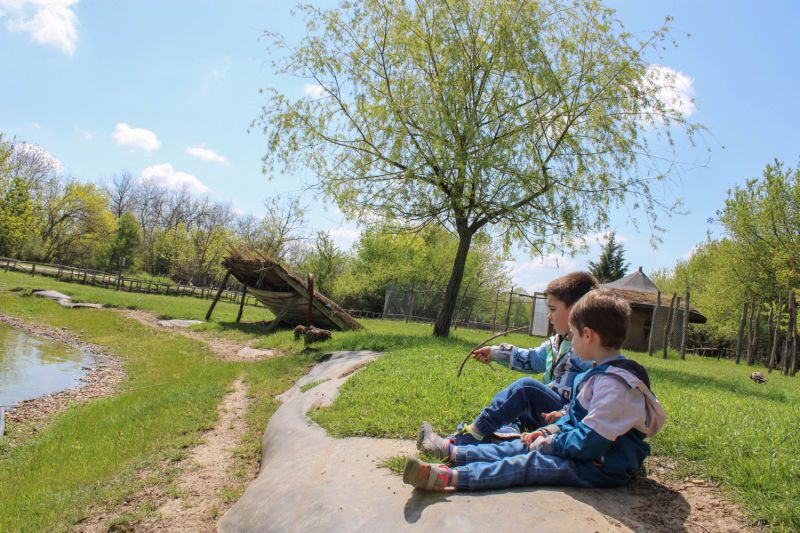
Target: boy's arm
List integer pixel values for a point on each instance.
(530, 361)
(614, 409)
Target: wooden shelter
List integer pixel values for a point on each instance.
(284, 293)
(642, 295)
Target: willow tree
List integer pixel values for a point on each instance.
(528, 120)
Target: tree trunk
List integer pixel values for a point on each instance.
(442, 326)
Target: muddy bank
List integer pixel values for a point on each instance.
(99, 381)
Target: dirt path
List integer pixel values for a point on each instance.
(227, 349)
(198, 488)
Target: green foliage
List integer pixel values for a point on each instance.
(759, 254)
(16, 215)
(381, 257)
(527, 118)
(124, 243)
(325, 261)
(611, 265)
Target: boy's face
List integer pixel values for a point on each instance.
(558, 315)
(580, 344)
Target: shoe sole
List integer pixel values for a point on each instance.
(421, 435)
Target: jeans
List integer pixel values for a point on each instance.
(495, 466)
(522, 404)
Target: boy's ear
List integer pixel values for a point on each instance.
(589, 334)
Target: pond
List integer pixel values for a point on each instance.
(32, 366)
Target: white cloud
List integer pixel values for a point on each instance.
(548, 262)
(48, 21)
(165, 176)
(42, 157)
(315, 91)
(344, 232)
(87, 135)
(675, 88)
(206, 154)
(36, 125)
(690, 253)
(138, 137)
(238, 212)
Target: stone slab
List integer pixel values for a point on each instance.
(311, 482)
(178, 323)
(252, 352)
(67, 303)
(51, 295)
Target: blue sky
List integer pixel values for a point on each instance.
(168, 90)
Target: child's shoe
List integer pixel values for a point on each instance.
(425, 476)
(432, 444)
(463, 436)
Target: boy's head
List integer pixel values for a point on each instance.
(562, 293)
(603, 312)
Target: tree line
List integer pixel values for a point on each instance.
(49, 217)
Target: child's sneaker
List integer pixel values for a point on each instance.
(425, 476)
(505, 434)
(463, 436)
(431, 443)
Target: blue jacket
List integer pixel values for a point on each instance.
(555, 359)
(606, 423)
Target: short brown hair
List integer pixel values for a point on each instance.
(605, 313)
(571, 287)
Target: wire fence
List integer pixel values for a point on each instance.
(495, 311)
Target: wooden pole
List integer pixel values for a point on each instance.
(674, 320)
(792, 336)
(241, 305)
(496, 302)
(653, 324)
(669, 323)
(508, 314)
(785, 357)
(777, 336)
(685, 335)
(769, 331)
(751, 351)
(750, 324)
(411, 305)
(219, 293)
(742, 324)
(33, 269)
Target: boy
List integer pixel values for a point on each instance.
(523, 403)
(596, 441)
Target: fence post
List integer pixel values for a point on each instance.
(792, 336)
(750, 324)
(751, 352)
(411, 306)
(674, 321)
(742, 324)
(510, 299)
(769, 332)
(684, 337)
(653, 324)
(669, 323)
(777, 336)
(494, 320)
(388, 300)
(33, 269)
(219, 293)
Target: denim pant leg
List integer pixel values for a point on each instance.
(510, 464)
(524, 400)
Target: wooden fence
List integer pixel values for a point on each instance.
(767, 342)
(109, 280)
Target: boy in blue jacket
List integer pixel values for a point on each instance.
(523, 404)
(595, 441)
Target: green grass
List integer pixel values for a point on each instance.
(90, 454)
(720, 424)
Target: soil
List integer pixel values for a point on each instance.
(100, 381)
(197, 494)
(224, 348)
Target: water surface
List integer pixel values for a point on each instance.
(32, 366)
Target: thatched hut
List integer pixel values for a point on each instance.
(642, 295)
(285, 293)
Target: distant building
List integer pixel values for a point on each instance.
(642, 294)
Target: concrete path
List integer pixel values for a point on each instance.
(311, 482)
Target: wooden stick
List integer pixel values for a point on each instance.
(219, 293)
(684, 340)
(742, 324)
(751, 352)
(484, 342)
(667, 329)
(653, 324)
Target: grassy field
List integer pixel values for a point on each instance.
(720, 425)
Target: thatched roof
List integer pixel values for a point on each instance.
(647, 300)
(273, 284)
(634, 282)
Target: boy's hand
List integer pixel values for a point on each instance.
(551, 418)
(484, 355)
(528, 438)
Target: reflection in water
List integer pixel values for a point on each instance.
(32, 366)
